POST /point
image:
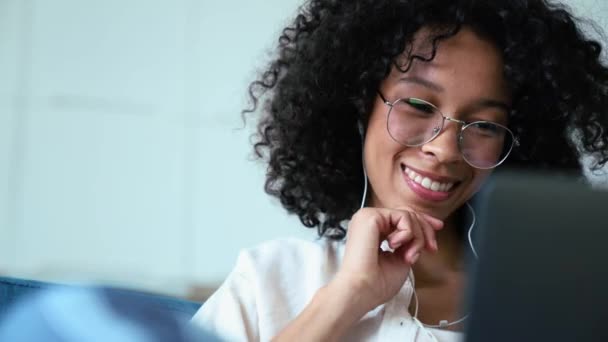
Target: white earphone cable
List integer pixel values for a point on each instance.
(471, 230)
(364, 197)
(443, 323)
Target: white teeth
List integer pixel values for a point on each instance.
(435, 186)
(427, 183)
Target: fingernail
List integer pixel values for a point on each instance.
(435, 245)
(415, 258)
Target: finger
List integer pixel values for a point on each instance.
(399, 237)
(429, 234)
(410, 220)
(403, 253)
(433, 221)
(417, 244)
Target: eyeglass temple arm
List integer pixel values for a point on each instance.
(383, 99)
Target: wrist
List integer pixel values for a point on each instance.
(327, 317)
(344, 303)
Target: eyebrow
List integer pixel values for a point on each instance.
(422, 82)
(482, 103)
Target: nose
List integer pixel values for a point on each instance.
(445, 146)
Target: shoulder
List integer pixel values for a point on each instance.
(271, 283)
(289, 257)
(284, 275)
(292, 248)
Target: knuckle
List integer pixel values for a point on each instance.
(368, 216)
(362, 213)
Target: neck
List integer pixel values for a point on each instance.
(440, 268)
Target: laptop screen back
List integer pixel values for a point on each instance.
(543, 268)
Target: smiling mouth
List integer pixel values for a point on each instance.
(426, 182)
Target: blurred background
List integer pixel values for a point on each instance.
(122, 155)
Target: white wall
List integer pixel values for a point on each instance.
(120, 155)
(118, 148)
(230, 209)
(10, 53)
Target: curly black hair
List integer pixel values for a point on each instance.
(333, 57)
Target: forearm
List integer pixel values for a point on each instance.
(332, 311)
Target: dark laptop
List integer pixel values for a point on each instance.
(542, 273)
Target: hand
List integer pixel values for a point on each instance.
(373, 275)
(368, 276)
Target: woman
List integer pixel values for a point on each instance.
(381, 119)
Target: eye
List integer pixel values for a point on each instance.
(486, 129)
(413, 106)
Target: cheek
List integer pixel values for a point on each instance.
(376, 143)
(479, 179)
(380, 149)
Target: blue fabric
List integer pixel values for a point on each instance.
(75, 314)
(13, 290)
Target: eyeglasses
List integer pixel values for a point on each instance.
(415, 122)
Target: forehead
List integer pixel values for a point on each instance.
(465, 65)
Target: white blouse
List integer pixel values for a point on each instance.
(273, 282)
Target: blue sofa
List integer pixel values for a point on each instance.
(32, 311)
(13, 290)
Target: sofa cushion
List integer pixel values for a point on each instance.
(13, 290)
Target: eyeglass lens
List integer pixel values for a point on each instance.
(483, 144)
